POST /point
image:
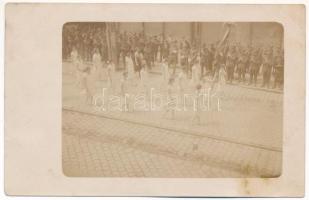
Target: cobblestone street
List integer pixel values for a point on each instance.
(144, 144)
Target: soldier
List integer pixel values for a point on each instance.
(184, 60)
(148, 54)
(165, 50)
(172, 60)
(218, 61)
(278, 71)
(212, 51)
(154, 49)
(267, 68)
(204, 61)
(230, 63)
(254, 67)
(242, 61)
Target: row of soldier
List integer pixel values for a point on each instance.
(235, 59)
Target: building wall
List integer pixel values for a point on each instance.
(267, 34)
(131, 27)
(212, 32)
(178, 30)
(153, 28)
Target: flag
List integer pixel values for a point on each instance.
(227, 33)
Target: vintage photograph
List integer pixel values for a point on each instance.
(172, 99)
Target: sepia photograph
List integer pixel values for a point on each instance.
(154, 100)
(172, 99)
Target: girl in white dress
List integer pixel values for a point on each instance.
(96, 60)
(159, 54)
(221, 82)
(181, 82)
(218, 85)
(79, 67)
(144, 81)
(90, 85)
(195, 72)
(110, 74)
(165, 72)
(124, 92)
(74, 60)
(130, 67)
(171, 99)
(197, 105)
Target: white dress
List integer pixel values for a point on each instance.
(74, 59)
(74, 56)
(181, 80)
(195, 74)
(144, 76)
(144, 80)
(165, 73)
(221, 82)
(130, 67)
(110, 74)
(96, 60)
(91, 82)
(158, 54)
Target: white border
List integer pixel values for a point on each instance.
(2, 24)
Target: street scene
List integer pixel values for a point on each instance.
(172, 100)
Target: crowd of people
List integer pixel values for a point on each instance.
(180, 62)
(241, 63)
(84, 39)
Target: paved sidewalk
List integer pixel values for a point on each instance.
(106, 148)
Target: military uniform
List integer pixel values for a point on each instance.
(242, 62)
(278, 72)
(230, 65)
(254, 67)
(267, 68)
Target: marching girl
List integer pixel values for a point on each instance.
(197, 105)
(220, 78)
(181, 82)
(171, 99)
(196, 72)
(165, 73)
(74, 59)
(90, 77)
(110, 75)
(159, 54)
(79, 70)
(144, 81)
(130, 67)
(124, 92)
(96, 59)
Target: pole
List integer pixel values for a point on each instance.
(163, 30)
